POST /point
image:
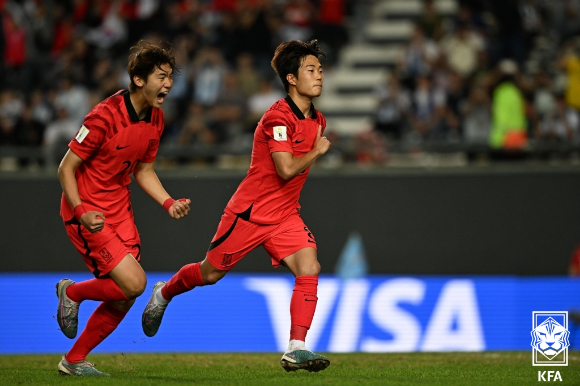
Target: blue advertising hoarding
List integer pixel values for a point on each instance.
(249, 312)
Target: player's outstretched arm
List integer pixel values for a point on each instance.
(148, 181)
(289, 166)
(94, 221)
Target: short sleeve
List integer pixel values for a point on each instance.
(278, 131)
(90, 137)
(153, 146)
(151, 152)
(322, 122)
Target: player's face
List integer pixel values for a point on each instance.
(310, 77)
(158, 85)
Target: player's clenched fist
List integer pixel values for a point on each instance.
(177, 208)
(93, 221)
(322, 144)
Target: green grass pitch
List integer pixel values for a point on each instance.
(490, 368)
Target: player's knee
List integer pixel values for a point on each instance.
(316, 268)
(312, 268)
(213, 277)
(135, 288)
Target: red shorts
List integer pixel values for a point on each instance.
(236, 237)
(102, 251)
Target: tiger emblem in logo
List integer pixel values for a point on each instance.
(550, 338)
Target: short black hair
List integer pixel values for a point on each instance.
(290, 55)
(146, 57)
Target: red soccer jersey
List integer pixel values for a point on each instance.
(264, 196)
(111, 141)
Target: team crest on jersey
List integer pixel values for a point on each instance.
(227, 260)
(81, 135)
(280, 133)
(106, 254)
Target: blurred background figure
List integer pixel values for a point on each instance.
(392, 114)
(509, 125)
(57, 135)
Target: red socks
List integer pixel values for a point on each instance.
(101, 324)
(95, 289)
(188, 277)
(303, 305)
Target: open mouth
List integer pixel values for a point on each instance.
(161, 97)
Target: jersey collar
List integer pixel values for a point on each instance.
(131, 110)
(296, 110)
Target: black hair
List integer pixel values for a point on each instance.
(146, 57)
(290, 55)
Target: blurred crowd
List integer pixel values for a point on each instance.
(500, 77)
(496, 74)
(62, 57)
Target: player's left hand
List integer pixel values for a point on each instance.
(180, 208)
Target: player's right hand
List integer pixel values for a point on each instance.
(93, 221)
(322, 144)
(180, 208)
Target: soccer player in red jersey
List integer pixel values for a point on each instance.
(265, 210)
(119, 136)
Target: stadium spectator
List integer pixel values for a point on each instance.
(74, 99)
(58, 133)
(393, 108)
(470, 13)
(298, 20)
(461, 50)
(209, 70)
(544, 94)
(259, 102)
(11, 105)
(456, 93)
(228, 111)
(7, 133)
(510, 36)
(29, 131)
(247, 75)
(431, 21)
(14, 55)
(570, 62)
(476, 114)
(255, 33)
(561, 124)
(370, 148)
(532, 20)
(330, 28)
(42, 111)
(176, 102)
(417, 57)
(62, 30)
(430, 116)
(509, 124)
(196, 127)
